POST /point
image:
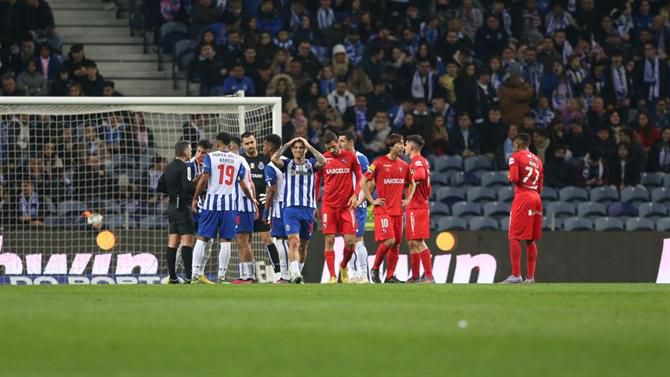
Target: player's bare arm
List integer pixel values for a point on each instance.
(199, 188)
(248, 191)
(320, 159)
(368, 187)
(411, 188)
(276, 158)
(270, 192)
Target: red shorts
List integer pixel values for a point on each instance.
(417, 222)
(338, 220)
(388, 226)
(525, 221)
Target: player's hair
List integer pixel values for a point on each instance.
(523, 139)
(247, 134)
(417, 140)
(206, 144)
(393, 139)
(273, 139)
(349, 135)
(328, 137)
(236, 140)
(224, 138)
(180, 148)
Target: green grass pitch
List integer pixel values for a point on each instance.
(343, 330)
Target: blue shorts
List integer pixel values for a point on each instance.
(245, 222)
(299, 220)
(222, 223)
(361, 218)
(278, 229)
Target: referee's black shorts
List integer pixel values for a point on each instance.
(261, 226)
(180, 221)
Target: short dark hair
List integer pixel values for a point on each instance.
(349, 135)
(180, 148)
(416, 139)
(206, 144)
(236, 140)
(247, 134)
(273, 139)
(523, 138)
(328, 137)
(393, 139)
(108, 84)
(224, 138)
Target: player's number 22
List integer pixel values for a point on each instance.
(227, 171)
(532, 171)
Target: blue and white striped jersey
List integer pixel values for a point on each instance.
(194, 171)
(225, 169)
(244, 204)
(275, 177)
(365, 164)
(299, 183)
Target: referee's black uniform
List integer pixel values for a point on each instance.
(176, 183)
(257, 165)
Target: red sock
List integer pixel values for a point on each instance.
(382, 249)
(392, 261)
(330, 262)
(531, 259)
(348, 252)
(415, 261)
(427, 261)
(515, 257)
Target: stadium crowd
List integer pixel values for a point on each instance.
(588, 79)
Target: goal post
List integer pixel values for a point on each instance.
(78, 178)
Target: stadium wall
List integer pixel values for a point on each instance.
(470, 257)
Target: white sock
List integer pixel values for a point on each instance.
(251, 270)
(224, 258)
(294, 267)
(178, 260)
(301, 266)
(283, 260)
(353, 266)
(361, 259)
(243, 270)
(198, 253)
(208, 252)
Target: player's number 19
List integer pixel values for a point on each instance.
(229, 172)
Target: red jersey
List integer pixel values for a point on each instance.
(420, 170)
(338, 178)
(390, 177)
(526, 172)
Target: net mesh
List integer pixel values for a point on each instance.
(70, 172)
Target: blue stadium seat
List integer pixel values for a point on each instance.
(652, 180)
(494, 179)
(608, 224)
(621, 209)
(652, 210)
(483, 223)
(496, 210)
(666, 180)
(552, 223)
(477, 163)
(434, 222)
(591, 209)
(506, 194)
(577, 223)
(634, 195)
(561, 209)
(444, 164)
(452, 223)
(660, 195)
(439, 209)
(640, 224)
(573, 194)
(663, 224)
(439, 179)
(449, 195)
(504, 223)
(466, 209)
(549, 194)
(460, 179)
(169, 34)
(71, 207)
(481, 194)
(604, 194)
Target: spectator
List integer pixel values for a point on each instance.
(464, 138)
(557, 19)
(615, 124)
(267, 18)
(209, 68)
(645, 132)
(358, 115)
(359, 83)
(515, 99)
(29, 205)
(341, 98)
(470, 17)
(618, 83)
(543, 114)
(283, 86)
(75, 61)
(508, 144)
(532, 69)
(542, 144)
(354, 47)
(47, 64)
(661, 115)
(113, 131)
(39, 20)
(139, 137)
(623, 169)
(340, 62)
(9, 87)
(92, 183)
(93, 144)
(637, 152)
(93, 83)
(265, 49)
(27, 51)
(465, 87)
(487, 96)
(592, 171)
(74, 89)
(604, 143)
(597, 115)
(659, 156)
(440, 143)
(194, 130)
(58, 87)
(557, 171)
(375, 134)
(492, 133)
(491, 38)
(32, 82)
(649, 74)
(325, 15)
(204, 13)
(310, 63)
(108, 89)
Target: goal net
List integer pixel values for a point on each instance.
(78, 177)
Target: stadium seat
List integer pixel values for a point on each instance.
(152, 222)
(666, 180)
(608, 224)
(449, 195)
(460, 179)
(118, 222)
(660, 195)
(168, 35)
(477, 163)
(577, 223)
(439, 209)
(663, 224)
(444, 164)
(182, 55)
(621, 209)
(452, 223)
(71, 207)
(573, 194)
(112, 207)
(552, 223)
(549, 194)
(483, 223)
(496, 210)
(634, 195)
(591, 209)
(506, 194)
(434, 222)
(494, 179)
(439, 179)
(466, 209)
(561, 209)
(652, 180)
(640, 224)
(481, 194)
(504, 223)
(604, 194)
(652, 210)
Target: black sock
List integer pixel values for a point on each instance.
(187, 257)
(274, 256)
(172, 261)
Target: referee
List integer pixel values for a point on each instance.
(176, 182)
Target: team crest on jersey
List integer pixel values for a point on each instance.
(261, 165)
(287, 227)
(344, 161)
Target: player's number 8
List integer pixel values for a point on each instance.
(532, 171)
(229, 172)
